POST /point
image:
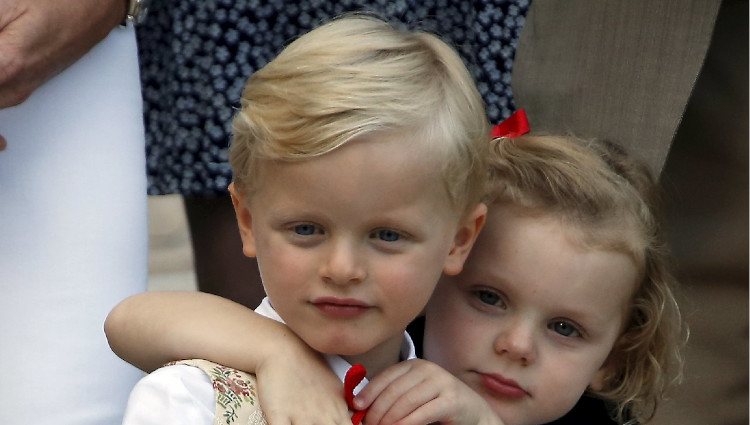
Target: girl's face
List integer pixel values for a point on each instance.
(530, 321)
(351, 244)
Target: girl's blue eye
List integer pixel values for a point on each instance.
(564, 328)
(386, 235)
(305, 229)
(488, 297)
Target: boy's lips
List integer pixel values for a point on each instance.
(502, 387)
(340, 308)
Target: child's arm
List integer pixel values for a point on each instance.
(296, 385)
(418, 392)
(150, 329)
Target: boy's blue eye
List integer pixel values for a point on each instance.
(305, 229)
(386, 235)
(564, 328)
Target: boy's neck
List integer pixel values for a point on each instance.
(381, 357)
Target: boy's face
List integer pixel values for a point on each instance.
(530, 321)
(351, 244)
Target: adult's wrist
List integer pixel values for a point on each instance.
(135, 11)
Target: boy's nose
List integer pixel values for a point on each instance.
(516, 342)
(343, 266)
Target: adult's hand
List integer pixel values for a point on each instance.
(40, 38)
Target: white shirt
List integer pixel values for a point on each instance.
(184, 395)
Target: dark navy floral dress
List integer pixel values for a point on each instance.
(197, 54)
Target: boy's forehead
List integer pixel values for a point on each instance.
(372, 170)
(391, 152)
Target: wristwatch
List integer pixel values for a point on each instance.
(137, 10)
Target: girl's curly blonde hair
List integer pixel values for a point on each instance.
(614, 203)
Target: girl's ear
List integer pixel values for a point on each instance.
(466, 235)
(244, 220)
(599, 380)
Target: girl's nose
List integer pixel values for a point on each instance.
(343, 265)
(516, 342)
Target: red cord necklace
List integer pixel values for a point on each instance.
(353, 377)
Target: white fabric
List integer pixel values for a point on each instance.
(73, 238)
(184, 395)
(178, 394)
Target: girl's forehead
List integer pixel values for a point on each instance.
(618, 232)
(541, 250)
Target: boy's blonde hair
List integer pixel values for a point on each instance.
(612, 202)
(354, 76)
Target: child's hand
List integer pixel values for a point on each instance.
(418, 392)
(299, 388)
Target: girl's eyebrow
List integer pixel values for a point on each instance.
(492, 280)
(587, 316)
(591, 318)
(490, 273)
(579, 316)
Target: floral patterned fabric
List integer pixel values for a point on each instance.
(197, 54)
(234, 392)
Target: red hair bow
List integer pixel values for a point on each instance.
(353, 377)
(515, 125)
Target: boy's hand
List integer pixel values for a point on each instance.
(299, 388)
(418, 392)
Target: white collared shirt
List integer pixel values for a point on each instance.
(184, 395)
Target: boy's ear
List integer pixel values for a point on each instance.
(244, 220)
(466, 235)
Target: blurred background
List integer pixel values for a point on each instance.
(706, 181)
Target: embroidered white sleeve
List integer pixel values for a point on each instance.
(172, 395)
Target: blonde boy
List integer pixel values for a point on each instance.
(358, 158)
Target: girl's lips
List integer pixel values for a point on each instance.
(340, 308)
(502, 387)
